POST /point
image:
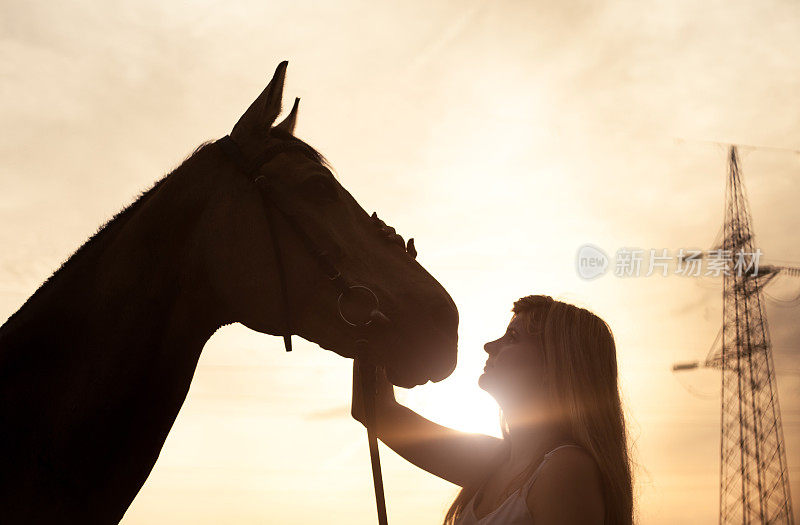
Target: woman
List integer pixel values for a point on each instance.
(563, 458)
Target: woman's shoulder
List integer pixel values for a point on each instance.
(569, 464)
(570, 454)
(568, 488)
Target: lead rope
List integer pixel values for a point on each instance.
(368, 394)
(287, 318)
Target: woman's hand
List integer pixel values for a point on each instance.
(459, 457)
(384, 391)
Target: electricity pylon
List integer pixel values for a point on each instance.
(754, 479)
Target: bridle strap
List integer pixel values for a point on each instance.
(368, 396)
(251, 169)
(233, 151)
(287, 315)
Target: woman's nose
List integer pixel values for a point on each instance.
(490, 347)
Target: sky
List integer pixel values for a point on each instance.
(501, 135)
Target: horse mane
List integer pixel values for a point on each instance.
(103, 234)
(107, 230)
(288, 137)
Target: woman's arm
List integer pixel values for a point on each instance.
(450, 454)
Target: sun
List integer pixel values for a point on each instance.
(457, 402)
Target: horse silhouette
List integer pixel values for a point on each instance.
(96, 364)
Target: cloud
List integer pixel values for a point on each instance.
(341, 411)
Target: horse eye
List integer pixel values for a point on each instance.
(320, 188)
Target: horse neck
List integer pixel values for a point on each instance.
(131, 289)
(96, 364)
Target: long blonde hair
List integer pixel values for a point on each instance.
(581, 371)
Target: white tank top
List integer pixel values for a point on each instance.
(514, 510)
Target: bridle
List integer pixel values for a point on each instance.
(348, 290)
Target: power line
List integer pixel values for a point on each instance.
(726, 145)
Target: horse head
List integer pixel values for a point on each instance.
(390, 300)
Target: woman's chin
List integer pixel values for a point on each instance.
(491, 384)
(485, 382)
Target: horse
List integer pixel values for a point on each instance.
(96, 364)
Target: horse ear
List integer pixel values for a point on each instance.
(265, 108)
(288, 123)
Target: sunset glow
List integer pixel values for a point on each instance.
(502, 136)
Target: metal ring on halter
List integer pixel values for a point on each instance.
(339, 304)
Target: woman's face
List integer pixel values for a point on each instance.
(514, 369)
